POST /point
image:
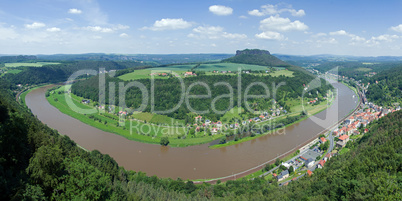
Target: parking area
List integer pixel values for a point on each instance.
(311, 154)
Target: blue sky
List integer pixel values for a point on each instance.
(361, 28)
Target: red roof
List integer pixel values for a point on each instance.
(303, 158)
(323, 139)
(273, 174)
(343, 137)
(309, 172)
(322, 162)
(366, 130)
(294, 178)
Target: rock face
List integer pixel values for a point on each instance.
(252, 52)
(256, 57)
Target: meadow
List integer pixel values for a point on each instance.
(37, 64)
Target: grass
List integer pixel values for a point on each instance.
(343, 150)
(364, 69)
(14, 71)
(286, 73)
(37, 64)
(156, 118)
(145, 74)
(155, 132)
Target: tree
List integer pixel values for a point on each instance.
(291, 170)
(164, 141)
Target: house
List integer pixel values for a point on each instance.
(310, 162)
(207, 122)
(327, 156)
(365, 130)
(198, 118)
(256, 119)
(342, 141)
(309, 173)
(274, 175)
(323, 140)
(214, 130)
(284, 174)
(321, 164)
(262, 117)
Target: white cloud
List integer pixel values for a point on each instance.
(169, 24)
(353, 37)
(106, 29)
(35, 25)
(123, 35)
(53, 29)
(256, 12)
(276, 23)
(243, 17)
(98, 29)
(214, 32)
(74, 11)
(270, 35)
(397, 28)
(275, 10)
(385, 38)
(339, 33)
(220, 10)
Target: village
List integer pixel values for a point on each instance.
(316, 153)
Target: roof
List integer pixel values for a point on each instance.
(309, 172)
(322, 162)
(309, 160)
(323, 139)
(344, 137)
(285, 172)
(273, 174)
(303, 158)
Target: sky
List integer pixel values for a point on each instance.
(310, 27)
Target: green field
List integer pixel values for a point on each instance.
(364, 69)
(180, 69)
(156, 118)
(145, 74)
(285, 73)
(15, 71)
(37, 64)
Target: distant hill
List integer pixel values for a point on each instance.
(256, 57)
(20, 58)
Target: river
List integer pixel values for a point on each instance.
(195, 162)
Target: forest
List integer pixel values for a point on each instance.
(61, 72)
(386, 87)
(37, 163)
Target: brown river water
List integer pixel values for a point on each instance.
(195, 162)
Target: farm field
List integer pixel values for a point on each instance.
(179, 69)
(37, 64)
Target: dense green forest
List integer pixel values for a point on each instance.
(20, 58)
(168, 92)
(36, 163)
(356, 70)
(61, 72)
(386, 87)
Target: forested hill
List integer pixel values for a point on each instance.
(61, 72)
(36, 163)
(256, 57)
(386, 87)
